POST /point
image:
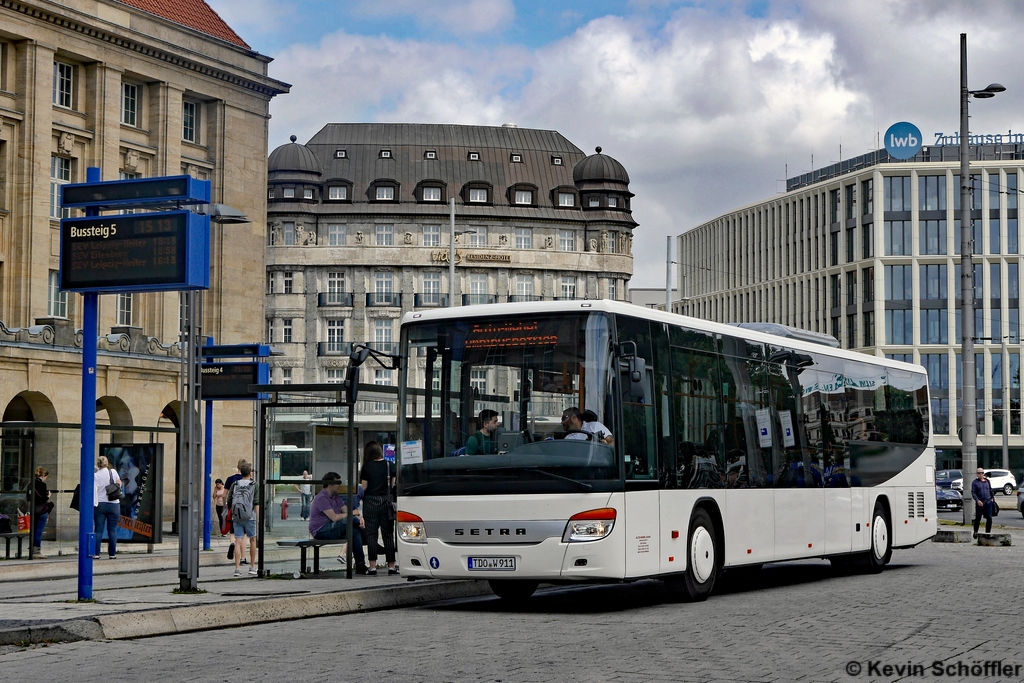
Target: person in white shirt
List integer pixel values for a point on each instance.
(106, 512)
(572, 419)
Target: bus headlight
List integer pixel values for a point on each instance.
(592, 525)
(410, 527)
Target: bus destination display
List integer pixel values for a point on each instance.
(132, 252)
(232, 380)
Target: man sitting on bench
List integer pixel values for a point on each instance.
(327, 519)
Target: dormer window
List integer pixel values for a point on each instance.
(383, 190)
(270, 193)
(567, 199)
(340, 154)
(517, 158)
(524, 197)
(556, 161)
(430, 154)
(307, 194)
(385, 154)
(477, 195)
(337, 193)
(431, 194)
(613, 201)
(594, 202)
(385, 193)
(289, 193)
(474, 156)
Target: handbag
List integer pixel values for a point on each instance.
(113, 489)
(391, 508)
(76, 498)
(226, 528)
(994, 507)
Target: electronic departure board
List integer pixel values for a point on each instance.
(136, 252)
(180, 189)
(226, 381)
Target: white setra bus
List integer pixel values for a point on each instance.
(708, 447)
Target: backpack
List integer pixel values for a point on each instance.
(242, 493)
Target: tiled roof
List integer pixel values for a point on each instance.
(194, 14)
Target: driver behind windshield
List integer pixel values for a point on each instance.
(483, 443)
(575, 427)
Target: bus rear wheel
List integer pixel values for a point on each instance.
(701, 561)
(881, 540)
(509, 589)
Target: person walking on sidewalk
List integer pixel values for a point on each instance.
(981, 492)
(107, 505)
(328, 519)
(242, 502)
(227, 486)
(42, 507)
(220, 501)
(378, 507)
(305, 489)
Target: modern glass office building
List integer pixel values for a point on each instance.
(868, 251)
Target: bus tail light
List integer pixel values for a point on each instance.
(410, 527)
(591, 525)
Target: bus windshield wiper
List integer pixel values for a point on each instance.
(581, 485)
(462, 477)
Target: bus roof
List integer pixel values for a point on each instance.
(623, 308)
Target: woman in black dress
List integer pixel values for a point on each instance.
(377, 478)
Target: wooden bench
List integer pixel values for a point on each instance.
(304, 544)
(21, 539)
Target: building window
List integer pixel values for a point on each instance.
(568, 287)
(868, 284)
(431, 235)
(524, 285)
(307, 193)
(340, 154)
(613, 202)
(190, 121)
(897, 238)
(63, 84)
(474, 156)
(517, 158)
(834, 290)
(478, 238)
(286, 328)
(383, 288)
(385, 154)
(124, 309)
(289, 280)
(430, 154)
(869, 328)
(897, 193)
(382, 334)
(130, 104)
(524, 238)
(933, 236)
(566, 199)
(270, 324)
(851, 201)
(431, 194)
(385, 193)
(851, 288)
(60, 174)
(56, 300)
(524, 197)
(867, 198)
(337, 193)
(335, 375)
(934, 325)
(899, 327)
(566, 240)
(289, 193)
(270, 193)
(556, 161)
(335, 234)
(611, 290)
(477, 195)
(286, 375)
(335, 287)
(932, 192)
(850, 243)
(898, 285)
(594, 202)
(335, 335)
(288, 233)
(612, 243)
(385, 235)
(933, 282)
(478, 380)
(851, 331)
(431, 289)
(270, 283)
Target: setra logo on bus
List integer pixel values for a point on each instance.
(490, 532)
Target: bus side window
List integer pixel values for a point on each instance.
(639, 429)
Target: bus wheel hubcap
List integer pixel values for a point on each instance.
(880, 535)
(702, 554)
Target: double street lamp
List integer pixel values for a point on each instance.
(451, 252)
(969, 414)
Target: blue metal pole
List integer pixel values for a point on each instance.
(90, 330)
(207, 472)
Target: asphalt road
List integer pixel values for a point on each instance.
(1007, 517)
(796, 621)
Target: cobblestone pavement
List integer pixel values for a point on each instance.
(801, 621)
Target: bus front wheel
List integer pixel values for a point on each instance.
(507, 589)
(701, 560)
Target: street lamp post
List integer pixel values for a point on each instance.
(969, 415)
(451, 251)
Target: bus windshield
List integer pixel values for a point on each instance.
(511, 405)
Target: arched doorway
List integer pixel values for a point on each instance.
(111, 410)
(169, 418)
(29, 439)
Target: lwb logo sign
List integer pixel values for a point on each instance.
(902, 140)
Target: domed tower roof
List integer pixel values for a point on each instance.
(599, 168)
(294, 162)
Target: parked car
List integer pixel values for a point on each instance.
(946, 479)
(1002, 480)
(948, 499)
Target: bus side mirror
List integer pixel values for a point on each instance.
(637, 370)
(352, 384)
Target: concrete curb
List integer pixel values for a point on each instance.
(953, 536)
(170, 621)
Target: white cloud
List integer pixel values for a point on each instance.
(705, 111)
(461, 17)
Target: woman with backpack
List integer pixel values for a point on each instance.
(377, 479)
(106, 505)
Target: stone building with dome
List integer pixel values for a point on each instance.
(359, 232)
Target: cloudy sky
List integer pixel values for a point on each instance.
(708, 104)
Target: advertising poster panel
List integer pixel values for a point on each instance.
(140, 466)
